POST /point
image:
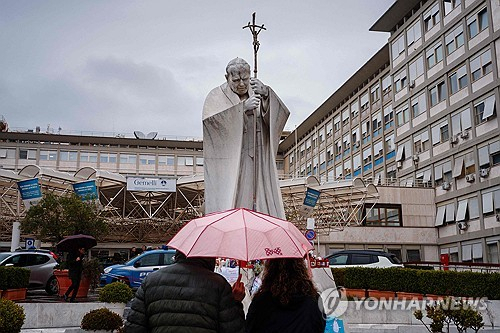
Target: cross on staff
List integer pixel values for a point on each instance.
(255, 29)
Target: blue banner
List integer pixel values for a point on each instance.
(86, 190)
(312, 197)
(30, 191)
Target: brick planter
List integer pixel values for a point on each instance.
(14, 294)
(65, 282)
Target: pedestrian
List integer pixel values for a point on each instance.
(187, 297)
(287, 300)
(133, 252)
(75, 269)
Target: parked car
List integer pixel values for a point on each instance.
(136, 269)
(363, 258)
(41, 263)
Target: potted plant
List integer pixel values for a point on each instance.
(92, 270)
(14, 282)
(117, 293)
(11, 316)
(103, 320)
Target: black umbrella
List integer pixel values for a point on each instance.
(73, 243)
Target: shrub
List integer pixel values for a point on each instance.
(445, 283)
(116, 292)
(14, 277)
(101, 319)
(92, 269)
(11, 316)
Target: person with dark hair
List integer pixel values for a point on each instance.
(75, 269)
(187, 297)
(287, 300)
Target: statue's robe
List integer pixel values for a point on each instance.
(228, 152)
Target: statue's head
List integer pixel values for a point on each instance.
(238, 76)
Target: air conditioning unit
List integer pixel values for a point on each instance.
(415, 158)
(462, 225)
(454, 140)
(412, 84)
(464, 134)
(399, 164)
(483, 173)
(356, 144)
(446, 186)
(470, 178)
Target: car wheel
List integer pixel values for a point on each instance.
(52, 287)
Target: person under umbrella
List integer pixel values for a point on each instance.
(75, 269)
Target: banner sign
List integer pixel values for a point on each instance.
(86, 190)
(30, 191)
(151, 184)
(312, 197)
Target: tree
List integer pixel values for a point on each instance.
(55, 217)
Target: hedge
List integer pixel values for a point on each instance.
(14, 277)
(445, 283)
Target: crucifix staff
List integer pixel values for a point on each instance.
(255, 30)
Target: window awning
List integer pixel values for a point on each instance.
(400, 153)
(466, 252)
(477, 251)
(489, 107)
(462, 210)
(440, 216)
(458, 168)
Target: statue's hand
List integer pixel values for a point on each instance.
(259, 87)
(251, 103)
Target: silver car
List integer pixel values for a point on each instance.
(41, 264)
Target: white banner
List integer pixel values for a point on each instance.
(151, 184)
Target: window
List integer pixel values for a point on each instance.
(166, 160)
(338, 150)
(367, 156)
(378, 150)
(412, 255)
(345, 116)
(383, 215)
(489, 155)
(388, 117)
(491, 202)
(402, 115)
(185, 160)
(454, 39)
(357, 164)
(354, 110)
(338, 171)
(346, 144)
(329, 129)
(7, 153)
(107, 157)
(413, 33)
(449, 5)
(347, 168)
(472, 253)
(147, 159)
(48, 155)
(485, 110)
(27, 154)
(152, 259)
(421, 142)
(416, 68)
(477, 23)
(322, 161)
(329, 155)
(321, 135)
(128, 159)
(340, 259)
(440, 133)
(386, 85)
(438, 93)
(404, 151)
(481, 65)
(375, 94)
(364, 103)
(65, 155)
(432, 17)
(442, 173)
(400, 80)
(365, 131)
(355, 138)
(460, 121)
(336, 123)
(458, 79)
(466, 161)
(389, 144)
(86, 156)
(434, 55)
(376, 124)
(418, 105)
(199, 161)
(398, 46)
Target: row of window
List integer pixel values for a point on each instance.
(102, 157)
(468, 208)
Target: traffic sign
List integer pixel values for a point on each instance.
(310, 234)
(29, 243)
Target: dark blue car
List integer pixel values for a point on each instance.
(136, 269)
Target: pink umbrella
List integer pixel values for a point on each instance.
(241, 234)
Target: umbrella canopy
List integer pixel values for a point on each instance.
(241, 234)
(74, 242)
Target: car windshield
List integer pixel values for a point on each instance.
(4, 255)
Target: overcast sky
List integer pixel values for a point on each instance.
(121, 66)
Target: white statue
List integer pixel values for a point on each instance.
(228, 143)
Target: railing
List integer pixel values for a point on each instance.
(455, 266)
